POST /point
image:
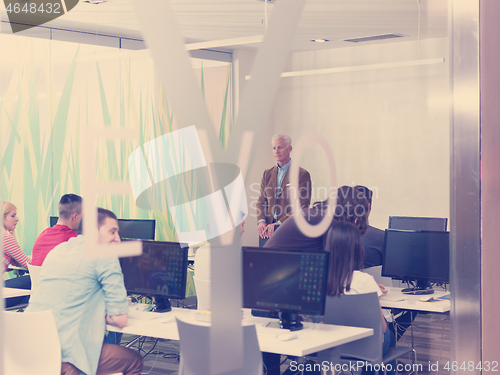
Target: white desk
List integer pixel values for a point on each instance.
(312, 338)
(14, 292)
(413, 302)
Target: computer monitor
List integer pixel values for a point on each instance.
(421, 256)
(289, 282)
(134, 229)
(137, 229)
(53, 220)
(160, 273)
(418, 223)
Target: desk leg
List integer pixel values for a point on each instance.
(133, 342)
(411, 327)
(331, 356)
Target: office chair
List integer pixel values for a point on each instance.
(34, 272)
(195, 350)
(202, 293)
(31, 344)
(359, 310)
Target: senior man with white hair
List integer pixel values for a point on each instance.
(273, 205)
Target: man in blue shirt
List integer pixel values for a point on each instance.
(273, 205)
(85, 294)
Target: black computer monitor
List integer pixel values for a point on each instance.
(289, 282)
(418, 223)
(137, 229)
(160, 272)
(134, 229)
(419, 256)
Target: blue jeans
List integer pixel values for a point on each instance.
(113, 338)
(22, 282)
(389, 342)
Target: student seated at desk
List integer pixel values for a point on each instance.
(85, 294)
(344, 272)
(13, 254)
(70, 215)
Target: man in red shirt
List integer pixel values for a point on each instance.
(70, 214)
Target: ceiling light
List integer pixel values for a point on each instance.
(319, 40)
(373, 37)
(357, 68)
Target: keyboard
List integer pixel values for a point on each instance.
(142, 315)
(393, 297)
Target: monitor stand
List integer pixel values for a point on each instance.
(161, 304)
(290, 321)
(422, 287)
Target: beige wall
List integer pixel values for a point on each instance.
(388, 128)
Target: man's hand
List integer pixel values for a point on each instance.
(261, 228)
(270, 229)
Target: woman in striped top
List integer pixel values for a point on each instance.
(13, 254)
(11, 251)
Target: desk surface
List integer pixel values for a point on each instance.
(413, 302)
(14, 292)
(312, 338)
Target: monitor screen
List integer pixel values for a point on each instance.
(422, 256)
(285, 281)
(418, 223)
(53, 220)
(160, 271)
(134, 229)
(137, 229)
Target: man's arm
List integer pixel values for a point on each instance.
(262, 205)
(304, 193)
(115, 296)
(304, 188)
(262, 202)
(119, 321)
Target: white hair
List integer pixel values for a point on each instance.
(288, 140)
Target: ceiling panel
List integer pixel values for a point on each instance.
(335, 20)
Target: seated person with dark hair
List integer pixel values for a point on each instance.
(373, 240)
(70, 215)
(351, 207)
(344, 273)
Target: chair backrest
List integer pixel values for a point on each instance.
(357, 310)
(202, 293)
(31, 344)
(195, 350)
(34, 274)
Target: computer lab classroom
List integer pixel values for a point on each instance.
(397, 95)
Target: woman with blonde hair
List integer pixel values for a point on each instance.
(11, 250)
(13, 254)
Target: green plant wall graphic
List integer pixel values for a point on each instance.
(54, 92)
